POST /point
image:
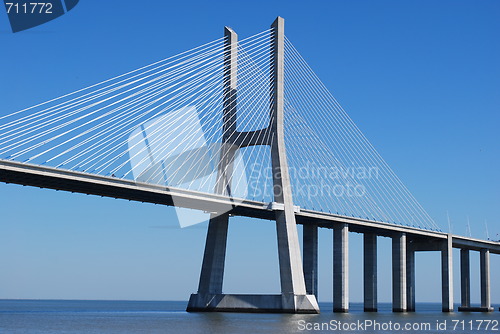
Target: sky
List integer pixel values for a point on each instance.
(421, 79)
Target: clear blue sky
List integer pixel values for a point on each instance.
(420, 78)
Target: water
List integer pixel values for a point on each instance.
(78, 316)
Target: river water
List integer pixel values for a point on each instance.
(79, 316)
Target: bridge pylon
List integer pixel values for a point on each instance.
(293, 297)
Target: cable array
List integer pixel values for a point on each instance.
(335, 167)
(153, 124)
(162, 124)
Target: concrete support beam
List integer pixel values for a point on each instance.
(484, 259)
(370, 272)
(410, 278)
(399, 273)
(465, 277)
(447, 275)
(341, 268)
(310, 258)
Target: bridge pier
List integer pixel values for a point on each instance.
(445, 247)
(485, 279)
(484, 262)
(410, 277)
(399, 302)
(340, 268)
(370, 272)
(294, 297)
(212, 268)
(310, 258)
(447, 275)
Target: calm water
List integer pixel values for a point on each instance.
(64, 316)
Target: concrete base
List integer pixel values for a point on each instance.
(252, 303)
(475, 309)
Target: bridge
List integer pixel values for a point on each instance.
(241, 128)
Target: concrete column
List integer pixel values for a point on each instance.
(485, 278)
(410, 278)
(290, 259)
(341, 268)
(310, 256)
(399, 273)
(465, 277)
(230, 88)
(447, 275)
(370, 272)
(212, 268)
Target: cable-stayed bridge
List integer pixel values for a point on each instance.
(240, 127)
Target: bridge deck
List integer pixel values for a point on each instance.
(58, 179)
